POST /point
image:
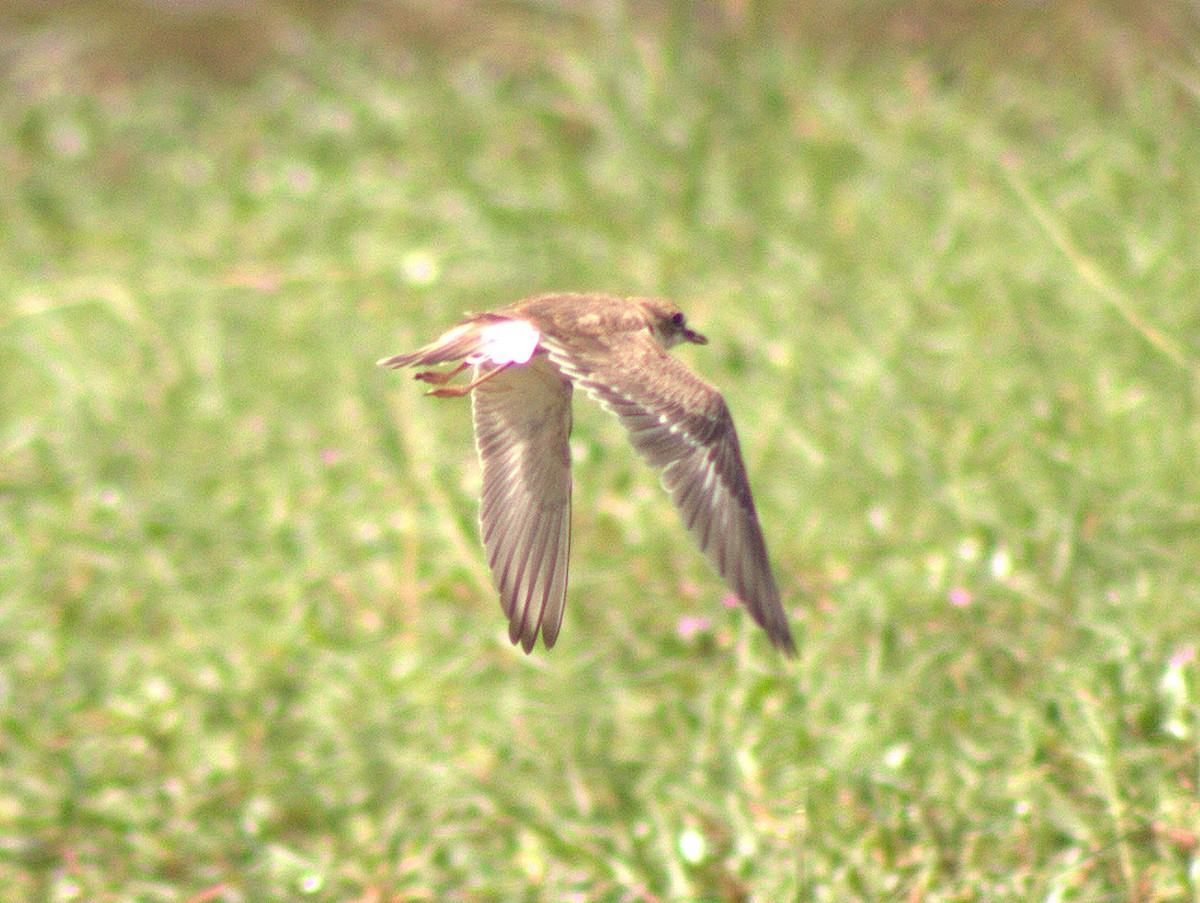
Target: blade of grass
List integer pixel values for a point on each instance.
(1090, 272)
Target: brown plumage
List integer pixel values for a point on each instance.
(526, 359)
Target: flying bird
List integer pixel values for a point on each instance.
(525, 360)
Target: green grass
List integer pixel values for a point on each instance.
(249, 649)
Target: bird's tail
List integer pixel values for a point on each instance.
(459, 343)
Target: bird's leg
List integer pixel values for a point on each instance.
(440, 377)
(459, 391)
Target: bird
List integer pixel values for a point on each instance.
(526, 360)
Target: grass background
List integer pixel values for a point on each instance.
(946, 256)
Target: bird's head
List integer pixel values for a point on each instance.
(668, 324)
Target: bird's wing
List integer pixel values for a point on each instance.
(522, 426)
(681, 425)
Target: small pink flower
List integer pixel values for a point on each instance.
(960, 597)
(690, 625)
(730, 601)
(1182, 657)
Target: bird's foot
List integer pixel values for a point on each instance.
(449, 391)
(445, 391)
(440, 377)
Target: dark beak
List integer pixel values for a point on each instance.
(690, 335)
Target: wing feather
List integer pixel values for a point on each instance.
(522, 426)
(682, 427)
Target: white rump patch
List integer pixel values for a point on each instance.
(507, 342)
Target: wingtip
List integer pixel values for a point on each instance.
(520, 635)
(777, 629)
(785, 644)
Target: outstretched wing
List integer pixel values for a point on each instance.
(522, 426)
(681, 425)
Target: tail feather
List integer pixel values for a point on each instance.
(459, 343)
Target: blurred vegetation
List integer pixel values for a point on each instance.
(1097, 40)
(945, 254)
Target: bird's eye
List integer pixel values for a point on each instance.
(677, 319)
